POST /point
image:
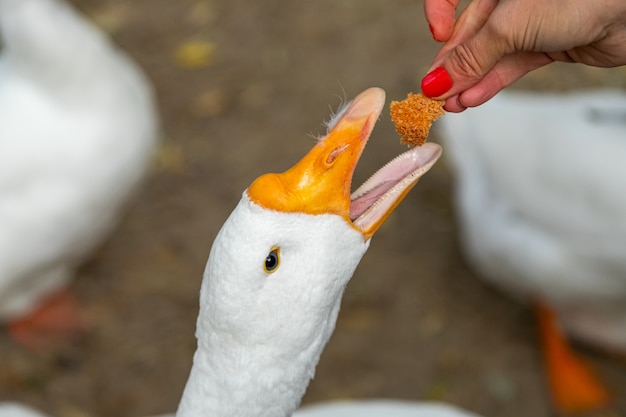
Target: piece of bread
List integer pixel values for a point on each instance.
(413, 117)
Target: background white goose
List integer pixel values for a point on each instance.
(18, 410)
(540, 200)
(78, 128)
(277, 270)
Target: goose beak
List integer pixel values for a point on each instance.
(320, 182)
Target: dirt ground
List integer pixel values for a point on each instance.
(416, 323)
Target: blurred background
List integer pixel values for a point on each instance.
(242, 86)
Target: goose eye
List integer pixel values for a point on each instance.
(272, 261)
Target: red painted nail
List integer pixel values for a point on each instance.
(437, 82)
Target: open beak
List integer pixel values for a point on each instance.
(320, 182)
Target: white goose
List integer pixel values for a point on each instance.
(78, 128)
(277, 271)
(541, 204)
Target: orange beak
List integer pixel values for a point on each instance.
(320, 182)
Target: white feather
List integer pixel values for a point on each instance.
(78, 128)
(541, 202)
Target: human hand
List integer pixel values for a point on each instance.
(496, 42)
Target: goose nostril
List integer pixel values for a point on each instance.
(333, 155)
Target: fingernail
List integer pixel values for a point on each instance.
(437, 82)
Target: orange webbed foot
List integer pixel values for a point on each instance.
(56, 320)
(574, 385)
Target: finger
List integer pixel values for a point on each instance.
(505, 73)
(440, 17)
(469, 23)
(452, 105)
(510, 69)
(467, 63)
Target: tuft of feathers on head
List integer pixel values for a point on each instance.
(334, 117)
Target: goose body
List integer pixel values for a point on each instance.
(11, 409)
(381, 408)
(366, 408)
(541, 205)
(277, 270)
(78, 128)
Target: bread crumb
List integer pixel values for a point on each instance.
(413, 117)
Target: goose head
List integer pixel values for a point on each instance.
(278, 267)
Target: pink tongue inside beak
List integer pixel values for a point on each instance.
(385, 189)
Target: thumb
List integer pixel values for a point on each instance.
(464, 65)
